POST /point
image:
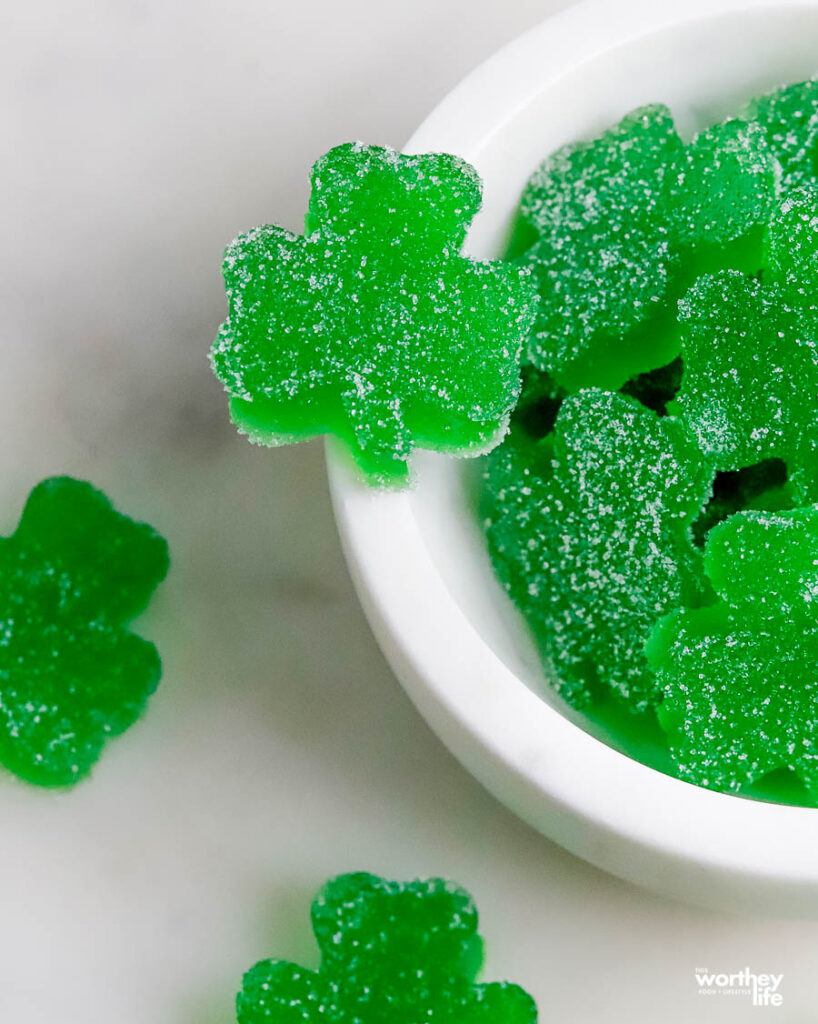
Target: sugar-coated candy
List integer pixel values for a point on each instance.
(750, 352)
(789, 119)
(72, 575)
(589, 529)
(372, 326)
(738, 676)
(619, 226)
(391, 953)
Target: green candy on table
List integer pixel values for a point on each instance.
(738, 676)
(750, 353)
(72, 575)
(391, 953)
(615, 229)
(589, 529)
(372, 326)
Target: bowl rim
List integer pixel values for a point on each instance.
(599, 803)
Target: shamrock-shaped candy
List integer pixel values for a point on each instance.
(589, 530)
(72, 575)
(619, 226)
(738, 677)
(391, 953)
(372, 326)
(750, 352)
(789, 119)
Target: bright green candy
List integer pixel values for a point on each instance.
(750, 351)
(619, 226)
(72, 575)
(391, 953)
(789, 119)
(372, 326)
(739, 680)
(589, 530)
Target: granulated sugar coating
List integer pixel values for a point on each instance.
(391, 953)
(738, 677)
(372, 326)
(618, 227)
(750, 354)
(789, 119)
(589, 530)
(73, 574)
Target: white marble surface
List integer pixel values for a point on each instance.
(140, 136)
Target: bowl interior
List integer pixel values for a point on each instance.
(704, 71)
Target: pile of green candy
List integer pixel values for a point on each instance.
(652, 512)
(396, 952)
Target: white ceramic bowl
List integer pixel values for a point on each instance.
(418, 558)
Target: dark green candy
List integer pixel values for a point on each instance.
(618, 227)
(738, 676)
(750, 353)
(590, 531)
(72, 576)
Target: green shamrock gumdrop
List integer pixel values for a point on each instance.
(616, 229)
(789, 119)
(391, 953)
(72, 575)
(589, 530)
(750, 353)
(372, 326)
(738, 676)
